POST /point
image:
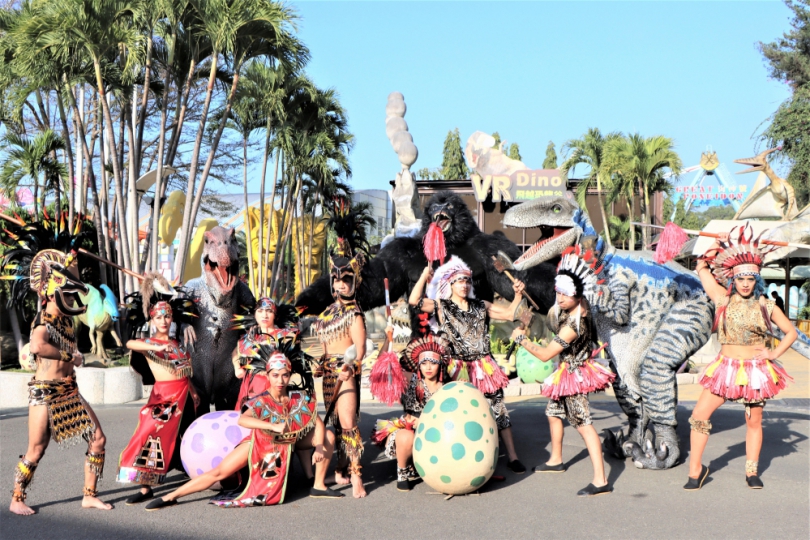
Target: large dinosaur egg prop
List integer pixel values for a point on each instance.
(531, 369)
(456, 444)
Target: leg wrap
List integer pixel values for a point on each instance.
(751, 467)
(350, 444)
(23, 476)
(95, 462)
(354, 468)
(411, 472)
(90, 492)
(701, 426)
(402, 474)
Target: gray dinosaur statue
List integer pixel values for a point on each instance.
(652, 316)
(219, 293)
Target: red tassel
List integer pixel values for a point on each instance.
(669, 245)
(387, 380)
(433, 244)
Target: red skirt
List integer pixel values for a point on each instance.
(590, 377)
(148, 456)
(748, 381)
(484, 373)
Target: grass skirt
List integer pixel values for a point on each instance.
(590, 377)
(747, 381)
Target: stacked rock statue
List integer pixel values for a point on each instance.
(404, 194)
(456, 444)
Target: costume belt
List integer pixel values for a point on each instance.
(67, 414)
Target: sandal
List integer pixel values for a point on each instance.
(694, 484)
(754, 482)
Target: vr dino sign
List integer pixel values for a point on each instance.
(520, 186)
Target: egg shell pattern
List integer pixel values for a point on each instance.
(209, 439)
(456, 444)
(531, 369)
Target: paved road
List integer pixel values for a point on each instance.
(645, 504)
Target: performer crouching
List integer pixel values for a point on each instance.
(55, 408)
(280, 419)
(425, 359)
(162, 362)
(578, 374)
(745, 371)
(463, 322)
(341, 329)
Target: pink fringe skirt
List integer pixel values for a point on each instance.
(748, 381)
(385, 428)
(590, 377)
(484, 374)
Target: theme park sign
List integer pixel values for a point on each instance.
(520, 186)
(712, 193)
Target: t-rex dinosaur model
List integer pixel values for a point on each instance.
(100, 317)
(652, 316)
(219, 293)
(776, 199)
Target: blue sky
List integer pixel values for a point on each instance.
(540, 71)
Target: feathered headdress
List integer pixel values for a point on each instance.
(446, 275)
(742, 255)
(157, 295)
(287, 315)
(349, 256)
(43, 256)
(577, 275)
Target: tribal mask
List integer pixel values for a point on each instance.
(346, 267)
(54, 273)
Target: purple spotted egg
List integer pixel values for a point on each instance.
(209, 439)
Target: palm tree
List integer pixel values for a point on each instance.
(620, 229)
(589, 150)
(643, 161)
(33, 158)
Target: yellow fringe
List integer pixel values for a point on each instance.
(713, 367)
(742, 376)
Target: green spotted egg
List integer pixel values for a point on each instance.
(456, 444)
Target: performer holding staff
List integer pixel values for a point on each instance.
(745, 371)
(341, 329)
(56, 410)
(162, 362)
(280, 419)
(577, 375)
(463, 322)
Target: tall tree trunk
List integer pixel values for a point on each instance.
(248, 234)
(270, 221)
(154, 222)
(646, 216)
(281, 245)
(187, 225)
(259, 243)
(631, 208)
(136, 154)
(69, 151)
(177, 130)
(601, 208)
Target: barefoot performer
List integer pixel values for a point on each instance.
(341, 329)
(280, 419)
(425, 361)
(56, 410)
(745, 371)
(162, 362)
(463, 322)
(578, 374)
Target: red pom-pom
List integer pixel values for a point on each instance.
(669, 245)
(433, 244)
(387, 380)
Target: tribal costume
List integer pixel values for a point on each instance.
(335, 324)
(467, 336)
(578, 374)
(745, 322)
(270, 452)
(43, 257)
(431, 349)
(153, 449)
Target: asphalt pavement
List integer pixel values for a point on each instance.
(644, 504)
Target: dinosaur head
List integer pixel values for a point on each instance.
(561, 223)
(451, 214)
(220, 260)
(757, 163)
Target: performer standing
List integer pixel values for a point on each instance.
(279, 419)
(154, 449)
(745, 371)
(55, 408)
(425, 359)
(463, 322)
(577, 375)
(341, 329)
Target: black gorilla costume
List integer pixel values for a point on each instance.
(402, 261)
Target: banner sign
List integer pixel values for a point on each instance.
(711, 193)
(520, 186)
